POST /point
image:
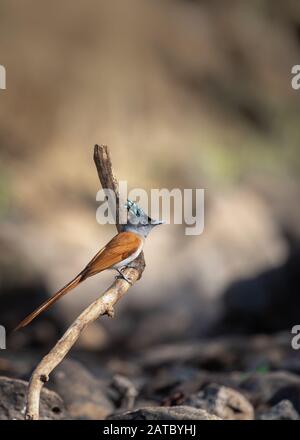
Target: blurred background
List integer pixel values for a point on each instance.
(187, 94)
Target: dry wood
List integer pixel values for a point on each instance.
(102, 306)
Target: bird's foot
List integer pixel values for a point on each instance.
(123, 276)
(133, 265)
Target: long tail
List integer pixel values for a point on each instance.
(52, 300)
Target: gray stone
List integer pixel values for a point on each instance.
(84, 395)
(223, 402)
(165, 413)
(284, 410)
(123, 392)
(273, 387)
(12, 402)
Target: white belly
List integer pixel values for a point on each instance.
(129, 259)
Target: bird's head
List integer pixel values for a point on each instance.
(138, 221)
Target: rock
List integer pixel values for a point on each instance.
(165, 413)
(284, 410)
(248, 301)
(280, 194)
(223, 402)
(83, 394)
(171, 385)
(227, 248)
(12, 395)
(270, 388)
(123, 392)
(289, 392)
(222, 353)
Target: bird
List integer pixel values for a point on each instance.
(117, 254)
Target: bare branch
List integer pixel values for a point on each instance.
(102, 306)
(104, 167)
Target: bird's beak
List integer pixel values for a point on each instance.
(158, 222)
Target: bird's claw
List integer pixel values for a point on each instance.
(122, 276)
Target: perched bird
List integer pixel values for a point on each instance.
(117, 254)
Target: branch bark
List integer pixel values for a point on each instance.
(102, 306)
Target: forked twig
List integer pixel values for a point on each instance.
(102, 306)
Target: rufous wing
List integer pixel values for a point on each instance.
(118, 249)
(121, 247)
